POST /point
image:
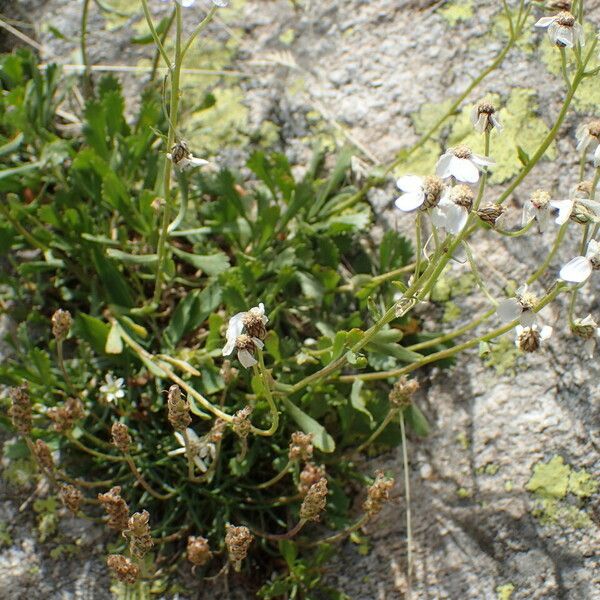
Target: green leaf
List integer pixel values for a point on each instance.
(149, 38)
(321, 439)
(135, 259)
(211, 264)
(523, 156)
(92, 330)
(416, 420)
(289, 551)
(114, 343)
(356, 399)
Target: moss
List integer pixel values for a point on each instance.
(505, 591)
(491, 469)
(458, 10)
(463, 441)
(509, 486)
(451, 312)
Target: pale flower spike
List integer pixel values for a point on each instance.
(580, 268)
(563, 29)
(462, 164)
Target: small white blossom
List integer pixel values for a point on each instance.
(529, 339)
(563, 29)
(203, 452)
(520, 307)
(112, 390)
(580, 268)
(588, 134)
(453, 210)
(461, 164)
(484, 118)
(253, 322)
(418, 192)
(537, 207)
(183, 159)
(588, 330)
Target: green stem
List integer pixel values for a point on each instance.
(418, 249)
(475, 273)
(144, 483)
(155, 36)
(274, 480)
(557, 242)
(163, 38)
(409, 566)
(61, 364)
(83, 47)
(267, 383)
(95, 453)
(199, 29)
(484, 177)
(386, 421)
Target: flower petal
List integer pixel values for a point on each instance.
(509, 309)
(410, 201)
(546, 332)
(246, 359)
(545, 21)
(456, 219)
(464, 170)
(565, 208)
(410, 183)
(442, 169)
(577, 270)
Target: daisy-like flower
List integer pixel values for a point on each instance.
(588, 330)
(529, 339)
(183, 159)
(484, 118)
(419, 192)
(462, 164)
(203, 451)
(520, 307)
(563, 29)
(453, 210)
(187, 3)
(589, 134)
(580, 268)
(112, 390)
(579, 208)
(537, 207)
(253, 322)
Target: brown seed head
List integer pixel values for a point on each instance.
(64, 417)
(309, 476)
(123, 568)
(565, 19)
(245, 342)
(315, 501)
(61, 323)
(254, 322)
(583, 189)
(594, 129)
(179, 409)
(378, 494)
(71, 497)
(198, 550)
(44, 456)
(138, 531)
(540, 199)
(401, 394)
(237, 540)
(529, 340)
(433, 188)
(179, 152)
(554, 5)
(120, 437)
(301, 447)
(462, 195)
(217, 431)
(585, 331)
(241, 422)
(462, 151)
(20, 410)
(490, 214)
(116, 508)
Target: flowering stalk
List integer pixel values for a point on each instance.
(278, 477)
(409, 559)
(144, 483)
(267, 383)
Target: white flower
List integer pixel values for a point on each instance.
(187, 3)
(483, 117)
(253, 322)
(588, 330)
(453, 210)
(418, 191)
(520, 307)
(563, 29)
(113, 388)
(589, 134)
(529, 339)
(461, 164)
(580, 268)
(537, 207)
(183, 159)
(202, 451)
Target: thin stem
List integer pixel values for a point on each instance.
(563, 67)
(189, 456)
(409, 566)
(144, 483)
(386, 421)
(163, 38)
(267, 383)
(199, 29)
(518, 232)
(83, 46)
(484, 177)
(418, 249)
(477, 276)
(278, 477)
(154, 33)
(61, 364)
(341, 534)
(557, 242)
(282, 536)
(95, 453)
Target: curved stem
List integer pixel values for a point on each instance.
(283, 536)
(155, 36)
(557, 242)
(386, 421)
(144, 483)
(267, 383)
(409, 566)
(61, 364)
(341, 534)
(95, 453)
(274, 480)
(198, 30)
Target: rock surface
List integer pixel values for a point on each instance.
(361, 71)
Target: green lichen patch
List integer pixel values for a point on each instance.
(505, 591)
(550, 480)
(582, 484)
(502, 355)
(458, 10)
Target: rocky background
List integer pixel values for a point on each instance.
(505, 489)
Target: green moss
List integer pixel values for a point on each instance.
(5, 537)
(491, 469)
(463, 441)
(582, 484)
(509, 486)
(550, 480)
(458, 10)
(505, 591)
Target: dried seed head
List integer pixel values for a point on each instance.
(241, 422)
(254, 322)
(309, 476)
(490, 214)
(486, 108)
(245, 342)
(594, 129)
(401, 394)
(378, 494)
(301, 447)
(228, 373)
(315, 501)
(123, 568)
(20, 410)
(540, 199)
(44, 456)
(179, 409)
(198, 550)
(237, 540)
(462, 151)
(581, 214)
(554, 5)
(433, 187)
(120, 437)
(61, 323)
(565, 19)
(116, 508)
(583, 189)
(71, 497)
(180, 151)
(64, 417)
(217, 431)
(486, 121)
(462, 195)
(138, 532)
(529, 340)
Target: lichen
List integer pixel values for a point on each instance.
(502, 355)
(458, 10)
(287, 37)
(505, 591)
(582, 484)
(463, 493)
(551, 479)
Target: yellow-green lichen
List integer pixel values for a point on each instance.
(458, 10)
(550, 479)
(502, 355)
(287, 37)
(451, 312)
(463, 493)
(582, 484)
(463, 440)
(504, 592)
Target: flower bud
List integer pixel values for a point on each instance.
(301, 447)
(490, 214)
(309, 476)
(378, 494)
(20, 410)
(116, 507)
(138, 531)
(120, 437)
(61, 324)
(241, 422)
(315, 501)
(43, 455)
(237, 540)
(71, 497)
(401, 394)
(123, 568)
(179, 409)
(198, 551)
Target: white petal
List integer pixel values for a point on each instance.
(261, 308)
(442, 169)
(546, 332)
(186, 3)
(497, 124)
(545, 21)
(220, 3)
(460, 255)
(192, 436)
(410, 201)
(258, 343)
(235, 327)
(228, 348)
(176, 452)
(456, 219)
(593, 249)
(597, 157)
(475, 116)
(438, 217)
(577, 270)
(578, 34)
(464, 170)
(509, 309)
(484, 161)
(481, 123)
(198, 162)
(200, 464)
(528, 318)
(180, 439)
(246, 359)
(565, 208)
(410, 183)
